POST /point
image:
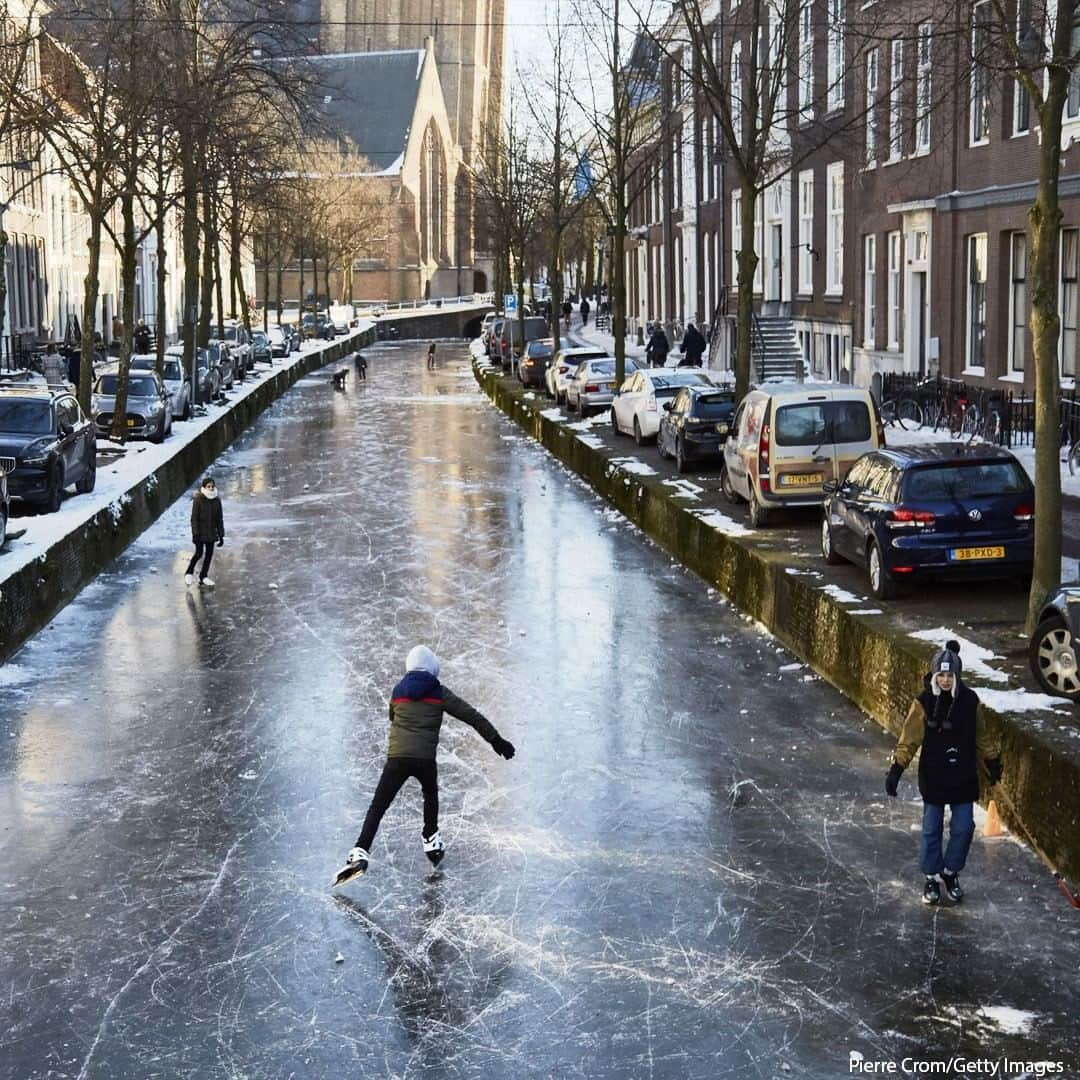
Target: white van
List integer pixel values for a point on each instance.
(789, 438)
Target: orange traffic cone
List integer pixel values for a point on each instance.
(992, 827)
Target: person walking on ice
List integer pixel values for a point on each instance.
(417, 705)
(945, 721)
(431, 357)
(207, 529)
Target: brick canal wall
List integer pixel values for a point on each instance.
(34, 594)
(876, 665)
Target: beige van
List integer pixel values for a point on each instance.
(789, 438)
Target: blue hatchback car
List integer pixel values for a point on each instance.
(934, 511)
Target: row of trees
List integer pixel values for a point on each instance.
(605, 101)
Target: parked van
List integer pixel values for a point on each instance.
(789, 438)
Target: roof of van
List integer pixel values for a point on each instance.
(806, 388)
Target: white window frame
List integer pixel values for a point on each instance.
(893, 319)
(871, 110)
(973, 243)
(834, 248)
(736, 233)
(806, 232)
(806, 59)
(1069, 287)
(923, 86)
(835, 32)
(870, 291)
(1018, 305)
(896, 99)
(735, 89)
(979, 88)
(1072, 99)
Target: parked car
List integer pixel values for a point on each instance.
(262, 351)
(279, 342)
(565, 364)
(239, 342)
(695, 425)
(486, 327)
(341, 315)
(46, 443)
(292, 336)
(939, 510)
(636, 408)
(534, 362)
(494, 337)
(789, 438)
(510, 347)
(318, 326)
(5, 508)
(592, 386)
(209, 377)
(1054, 650)
(176, 386)
(220, 356)
(149, 408)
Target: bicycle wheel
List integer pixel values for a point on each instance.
(888, 413)
(971, 423)
(909, 414)
(1074, 459)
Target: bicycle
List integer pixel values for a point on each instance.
(905, 413)
(1071, 448)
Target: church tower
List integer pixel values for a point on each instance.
(469, 41)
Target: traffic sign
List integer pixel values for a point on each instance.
(509, 302)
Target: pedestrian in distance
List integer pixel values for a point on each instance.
(656, 351)
(947, 725)
(417, 705)
(360, 363)
(431, 357)
(54, 366)
(207, 529)
(693, 347)
(567, 311)
(584, 309)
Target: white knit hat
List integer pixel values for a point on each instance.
(421, 658)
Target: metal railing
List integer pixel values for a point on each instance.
(386, 306)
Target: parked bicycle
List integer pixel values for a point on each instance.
(904, 412)
(1070, 450)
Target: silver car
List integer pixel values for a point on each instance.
(564, 365)
(592, 386)
(149, 408)
(176, 386)
(209, 377)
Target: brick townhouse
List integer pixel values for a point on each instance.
(894, 237)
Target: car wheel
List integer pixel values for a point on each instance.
(681, 464)
(828, 552)
(759, 516)
(728, 489)
(3, 528)
(56, 488)
(881, 584)
(1053, 658)
(86, 482)
(615, 429)
(638, 437)
(187, 410)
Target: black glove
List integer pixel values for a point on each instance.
(893, 778)
(503, 747)
(221, 541)
(993, 768)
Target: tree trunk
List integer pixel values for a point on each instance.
(555, 288)
(128, 254)
(300, 312)
(90, 299)
(327, 264)
(206, 285)
(747, 268)
(1045, 217)
(236, 271)
(159, 319)
(3, 279)
(219, 287)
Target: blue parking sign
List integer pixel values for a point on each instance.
(509, 302)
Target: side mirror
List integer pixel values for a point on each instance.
(830, 487)
(67, 430)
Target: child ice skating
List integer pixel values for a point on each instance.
(946, 723)
(207, 529)
(431, 357)
(417, 705)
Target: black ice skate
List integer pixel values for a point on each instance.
(932, 891)
(355, 864)
(434, 848)
(952, 887)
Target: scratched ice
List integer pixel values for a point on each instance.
(658, 885)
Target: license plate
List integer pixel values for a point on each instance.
(610, 386)
(965, 554)
(801, 479)
(722, 429)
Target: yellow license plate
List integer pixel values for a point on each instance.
(964, 554)
(722, 429)
(801, 479)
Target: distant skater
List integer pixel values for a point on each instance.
(431, 357)
(207, 529)
(360, 363)
(417, 705)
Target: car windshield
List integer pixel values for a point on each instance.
(674, 381)
(813, 423)
(30, 417)
(537, 349)
(138, 386)
(259, 338)
(231, 333)
(978, 479)
(172, 370)
(601, 367)
(714, 406)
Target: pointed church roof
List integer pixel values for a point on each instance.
(370, 99)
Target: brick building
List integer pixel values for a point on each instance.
(894, 237)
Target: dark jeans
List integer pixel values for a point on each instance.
(207, 553)
(961, 830)
(395, 772)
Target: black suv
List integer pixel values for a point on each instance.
(46, 443)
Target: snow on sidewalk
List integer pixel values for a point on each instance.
(115, 479)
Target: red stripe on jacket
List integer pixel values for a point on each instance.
(426, 701)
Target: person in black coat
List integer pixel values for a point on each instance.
(693, 347)
(584, 309)
(207, 529)
(658, 348)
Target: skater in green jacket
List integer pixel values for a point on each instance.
(417, 705)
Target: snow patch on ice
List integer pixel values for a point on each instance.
(974, 657)
(13, 675)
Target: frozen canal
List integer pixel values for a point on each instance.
(689, 870)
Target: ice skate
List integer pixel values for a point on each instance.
(932, 891)
(356, 862)
(189, 579)
(952, 887)
(434, 848)
(207, 582)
